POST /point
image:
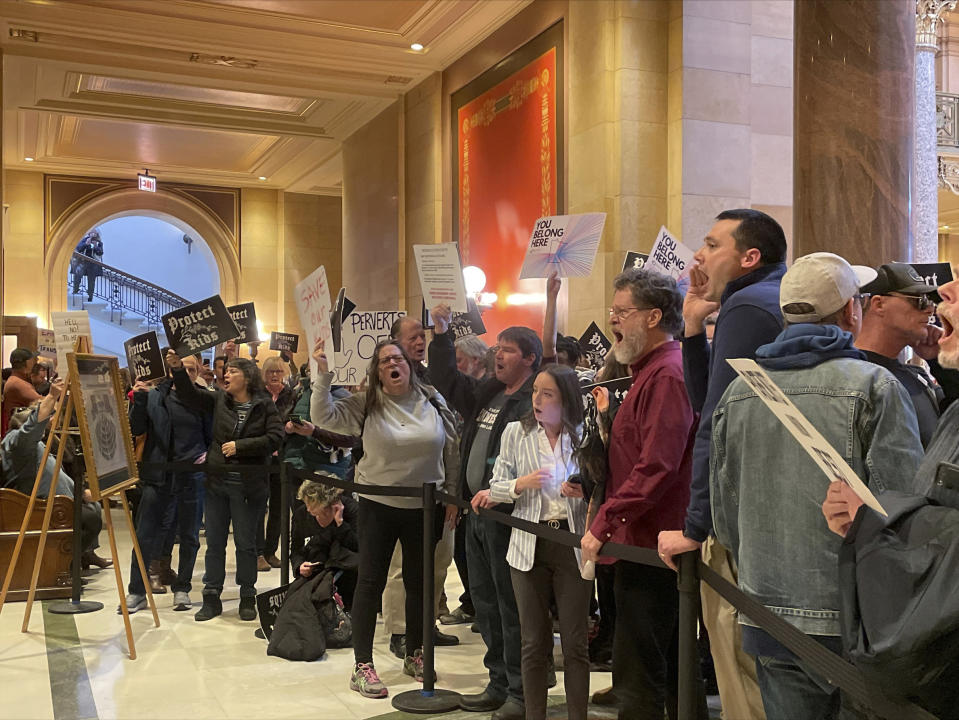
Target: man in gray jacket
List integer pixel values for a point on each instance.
(766, 491)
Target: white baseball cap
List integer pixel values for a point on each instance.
(819, 284)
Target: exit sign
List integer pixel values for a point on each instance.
(147, 183)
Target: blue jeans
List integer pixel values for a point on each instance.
(159, 503)
(791, 692)
(491, 589)
(237, 501)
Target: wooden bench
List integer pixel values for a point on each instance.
(54, 580)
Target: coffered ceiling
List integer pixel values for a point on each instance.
(217, 92)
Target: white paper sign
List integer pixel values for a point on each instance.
(565, 243)
(362, 329)
(441, 275)
(67, 327)
(669, 256)
(818, 448)
(313, 306)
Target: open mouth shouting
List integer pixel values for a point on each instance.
(947, 326)
(395, 374)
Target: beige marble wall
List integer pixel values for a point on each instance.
(24, 281)
(261, 253)
(371, 211)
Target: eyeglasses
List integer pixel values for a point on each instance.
(920, 302)
(392, 360)
(620, 313)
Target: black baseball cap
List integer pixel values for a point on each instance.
(897, 277)
(21, 355)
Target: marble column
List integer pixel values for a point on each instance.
(925, 197)
(854, 119)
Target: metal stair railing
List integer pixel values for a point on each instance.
(122, 292)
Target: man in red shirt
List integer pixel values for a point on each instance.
(18, 391)
(650, 467)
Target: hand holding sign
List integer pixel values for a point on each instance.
(442, 316)
(319, 356)
(173, 360)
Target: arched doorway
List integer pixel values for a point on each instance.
(179, 211)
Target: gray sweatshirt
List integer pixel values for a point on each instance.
(403, 441)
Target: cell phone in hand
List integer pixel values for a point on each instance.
(296, 419)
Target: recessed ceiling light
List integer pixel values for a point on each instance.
(262, 177)
(28, 159)
(416, 47)
(944, 227)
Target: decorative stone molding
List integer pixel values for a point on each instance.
(928, 16)
(949, 173)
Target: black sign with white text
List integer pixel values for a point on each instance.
(934, 273)
(143, 357)
(462, 324)
(595, 345)
(284, 341)
(199, 326)
(617, 388)
(244, 315)
(635, 261)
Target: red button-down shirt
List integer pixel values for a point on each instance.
(650, 454)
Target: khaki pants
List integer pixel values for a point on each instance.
(735, 670)
(394, 597)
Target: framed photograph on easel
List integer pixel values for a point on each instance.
(104, 425)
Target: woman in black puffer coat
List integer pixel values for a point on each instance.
(246, 429)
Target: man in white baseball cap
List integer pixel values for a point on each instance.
(766, 491)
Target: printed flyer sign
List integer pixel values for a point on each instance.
(47, 344)
(313, 306)
(669, 256)
(441, 275)
(244, 315)
(360, 332)
(829, 461)
(564, 243)
(635, 261)
(595, 345)
(286, 342)
(199, 326)
(143, 357)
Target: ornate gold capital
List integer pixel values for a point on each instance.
(928, 16)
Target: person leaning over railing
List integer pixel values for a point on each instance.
(246, 429)
(537, 471)
(409, 438)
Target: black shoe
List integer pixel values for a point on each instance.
(211, 608)
(398, 646)
(483, 702)
(605, 697)
(601, 666)
(457, 617)
(511, 710)
(248, 608)
(442, 639)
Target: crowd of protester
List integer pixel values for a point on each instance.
(690, 459)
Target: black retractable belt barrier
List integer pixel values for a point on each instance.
(285, 504)
(835, 670)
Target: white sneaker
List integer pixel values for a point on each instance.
(181, 600)
(134, 603)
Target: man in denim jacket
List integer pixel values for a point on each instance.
(766, 491)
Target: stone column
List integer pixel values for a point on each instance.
(925, 198)
(854, 112)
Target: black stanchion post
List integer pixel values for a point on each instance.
(75, 606)
(284, 522)
(688, 583)
(429, 700)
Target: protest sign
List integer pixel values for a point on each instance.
(361, 330)
(313, 306)
(284, 342)
(462, 324)
(564, 243)
(143, 357)
(669, 256)
(441, 275)
(199, 326)
(934, 273)
(825, 455)
(244, 315)
(47, 344)
(617, 388)
(635, 261)
(595, 345)
(67, 327)
(268, 604)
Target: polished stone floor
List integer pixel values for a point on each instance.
(76, 667)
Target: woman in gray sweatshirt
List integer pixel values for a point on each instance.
(409, 439)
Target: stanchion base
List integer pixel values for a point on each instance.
(417, 701)
(68, 607)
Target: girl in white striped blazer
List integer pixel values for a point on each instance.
(535, 463)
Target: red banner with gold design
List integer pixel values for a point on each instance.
(507, 178)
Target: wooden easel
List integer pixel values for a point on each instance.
(60, 426)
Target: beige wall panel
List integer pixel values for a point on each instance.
(716, 158)
(711, 44)
(716, 96)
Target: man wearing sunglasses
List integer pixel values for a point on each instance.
(897, 308)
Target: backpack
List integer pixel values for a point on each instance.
(899, 598)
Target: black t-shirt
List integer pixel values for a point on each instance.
(476, 468)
